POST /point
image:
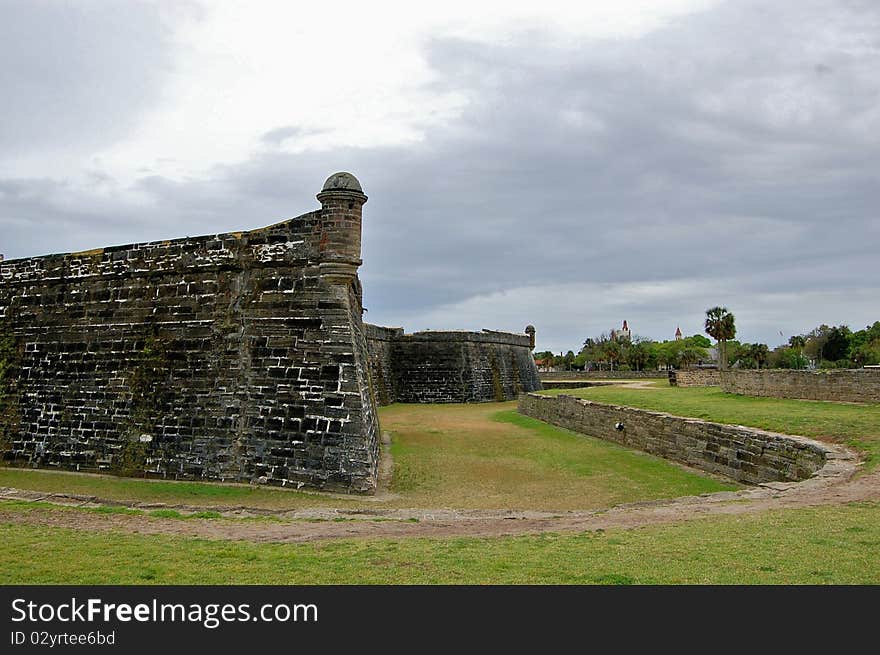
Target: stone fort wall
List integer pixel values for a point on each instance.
(601, 375)
(449, 366)
(235, 356)
(707, 377)
(748, 455)
(847, 385)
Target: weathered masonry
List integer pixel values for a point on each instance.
(747, 455)
(238, 356)
(845, 385)
(450, 366)
(233, 357)
(706, 377)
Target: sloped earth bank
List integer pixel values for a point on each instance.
(835, 485)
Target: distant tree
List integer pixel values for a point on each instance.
(720, 325)
(760, 352)
(660, 354)
(689, 356)
(700, 341)
(865, 345)
(638, 355)
(568, 360)
(815, 342)
(797, 343)
(611, 350)
(837, 345)
(752, 355)
(787, 357)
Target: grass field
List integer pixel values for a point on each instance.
(445, 456)
(475, 456)
(855, 425)
(484, 456)
(825, 545)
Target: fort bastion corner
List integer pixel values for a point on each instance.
(237, 357)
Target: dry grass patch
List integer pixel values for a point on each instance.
(489, 457)
(482, 456)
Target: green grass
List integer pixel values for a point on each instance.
(26, 506)
(855, 425)
(160, 491)
(822, 545)
(482, 456)
(488, 456)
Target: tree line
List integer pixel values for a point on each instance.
(636, 354)
(823, 347)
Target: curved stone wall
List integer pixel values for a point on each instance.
(747, 455)
(450, 366)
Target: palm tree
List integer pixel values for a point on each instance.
(720, 326)
(760, 353)
(638, 355)
(611, 350)
(689, 356)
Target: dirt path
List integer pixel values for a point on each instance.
(640, 384)
(322, 524)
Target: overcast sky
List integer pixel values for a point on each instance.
(570, 166)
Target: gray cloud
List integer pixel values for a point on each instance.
(279, 135)
(730, 158)
(77, 74)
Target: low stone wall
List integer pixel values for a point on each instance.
(601, 375)
(574, 384)
(848, 385)
(709, 377)
(747, 455)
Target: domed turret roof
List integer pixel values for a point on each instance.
(342, 182)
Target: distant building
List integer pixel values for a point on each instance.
(623, 334)
(678, 335)
(545, 365)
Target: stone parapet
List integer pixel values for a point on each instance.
(744, 454)
(450, 366)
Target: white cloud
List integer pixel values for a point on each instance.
(348, 74)
(569, 166)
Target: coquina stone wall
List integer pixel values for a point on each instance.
(380, 345)
(234, 356)
(575, 384)
(695, 378)
(848, 385)
(747, 455)
(450, 366)
(601, 375)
